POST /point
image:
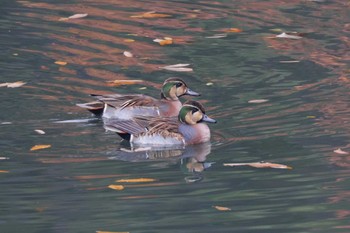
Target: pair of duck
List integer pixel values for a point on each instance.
(144, 120)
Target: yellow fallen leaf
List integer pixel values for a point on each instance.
(259, 165)
(165, 41)
(129, 40)
(221, 208)
(61, 63)
(149, 15)
(116, 187)
(39, 147)
(136, 180)
(235, 30)
(4, 171)
(125, 82)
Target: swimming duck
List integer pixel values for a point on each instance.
(188, 128)
(121, 106)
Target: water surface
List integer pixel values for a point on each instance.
(305, 119)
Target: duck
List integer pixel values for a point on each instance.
(119, 106)
(188, 128)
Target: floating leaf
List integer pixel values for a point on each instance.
(136, 180)
(125, 82)
(258, 101)
(112, 232)
(4, 171)
(178, 67)
(341, 152)
(15, 84)
(77, 16)
(61, 63)
(116, 187)
(235, 30)
(216, 36)
(165, 41)
(276, 30)
(142, 88)
(288, 36)
(128, 54)
(259, 165)
(152, 14)
(39, 131)
(39, 147)
(129, 40)
(15, 54)
(293, 61)
(221, 208)
(209, 84)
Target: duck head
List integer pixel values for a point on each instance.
(173, 88)
(192, 112)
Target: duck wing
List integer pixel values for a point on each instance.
(123, 101)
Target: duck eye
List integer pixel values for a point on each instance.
(178, 84)
(194, 111)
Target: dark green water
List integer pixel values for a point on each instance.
(306, 118)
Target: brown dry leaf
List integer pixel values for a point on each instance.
(116, 187)
(15, 84)
(39, 147)
(221, 208)
(125, 82)
(136, 180)
(4, 171)
(235, 30)
(150, 15)
(259, 165)
(341, 152)
(61, 63)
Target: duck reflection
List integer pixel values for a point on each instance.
(192, 157)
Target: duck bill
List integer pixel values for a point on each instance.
(208, 119)
(192, 93)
